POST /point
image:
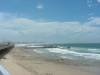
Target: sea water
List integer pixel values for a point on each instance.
(83, 54)
(68, 51)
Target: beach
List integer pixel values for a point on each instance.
(20, 62)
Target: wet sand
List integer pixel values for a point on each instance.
(19, 62)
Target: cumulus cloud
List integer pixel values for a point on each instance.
(31, 30)
(98, 1)
(94, 21)
(39, 6)
(90, 3)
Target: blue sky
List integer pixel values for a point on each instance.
(65, 21)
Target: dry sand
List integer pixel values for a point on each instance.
(18, 62)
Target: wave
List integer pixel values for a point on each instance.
(94, 50)
(68, 52)
(81, 49)
(28, 45)
(86, 50)
(20, 45)
(38, 51)
(64, 52)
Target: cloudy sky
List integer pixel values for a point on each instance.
(54, 21)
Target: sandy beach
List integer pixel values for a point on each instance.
(19, 62)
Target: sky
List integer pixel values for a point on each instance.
(51, 21)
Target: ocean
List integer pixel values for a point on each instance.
(79, 54)
(85, 56)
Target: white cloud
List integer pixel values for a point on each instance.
(94, 21)
(90, 3)
(98, 1)
(39, 6)
(32, 30)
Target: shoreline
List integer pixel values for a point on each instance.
(36, 65)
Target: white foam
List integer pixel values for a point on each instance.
(94, 50)
(73, 53)
(37, 51)
(34, 46)
(58, 50)
(66, 57)
(20, 45)
(91, 56)
(28, 45)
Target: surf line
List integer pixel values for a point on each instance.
(3, 71)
